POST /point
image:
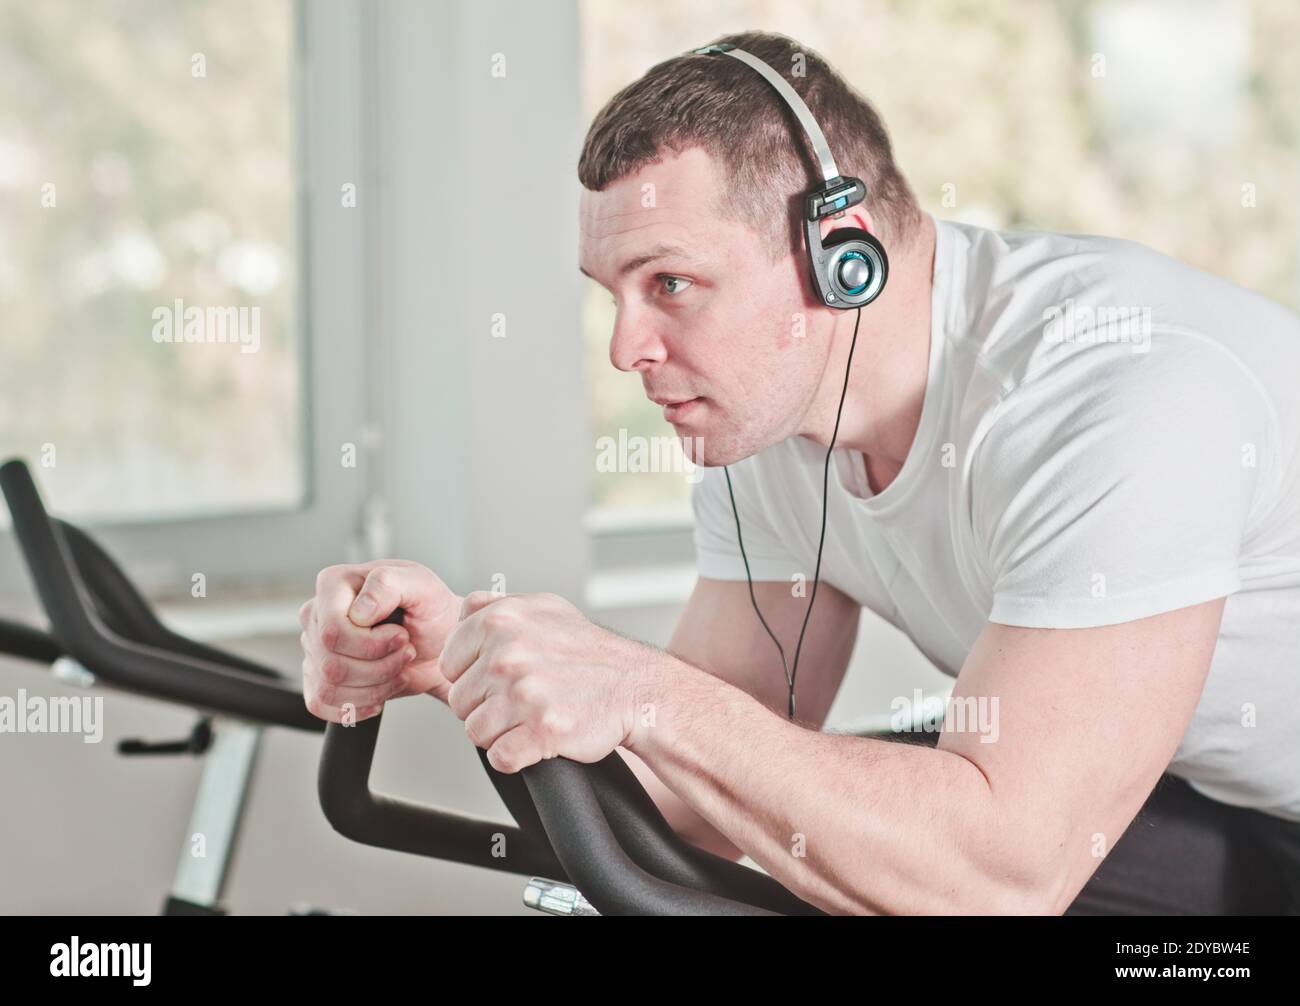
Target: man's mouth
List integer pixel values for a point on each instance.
(676, 409)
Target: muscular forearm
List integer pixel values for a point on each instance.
(683, 818)
(849, 824)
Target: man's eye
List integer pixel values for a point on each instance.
(674, 284)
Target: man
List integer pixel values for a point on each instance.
(1067, 467)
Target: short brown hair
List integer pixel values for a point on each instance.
(734, 114)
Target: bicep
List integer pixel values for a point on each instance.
(1072, 728)
(719, 632)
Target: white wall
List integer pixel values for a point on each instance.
(477, 190)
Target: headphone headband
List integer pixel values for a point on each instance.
(830, 173)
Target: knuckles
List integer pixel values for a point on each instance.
(332, 670)
(555, 723)
(500, 616)
(325, 577)
(330, 631)
(456, 702)
(527, 691)
(510, 661)
(478, 598)
(377, 648)
(504, 760)
(384, 577)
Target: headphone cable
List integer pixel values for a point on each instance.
(791, 673)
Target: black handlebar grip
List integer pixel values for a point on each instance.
(359, 813)
(595, 860)
(78, 626)
(18, 640)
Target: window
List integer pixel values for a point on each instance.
(165, 168)
(150, 267)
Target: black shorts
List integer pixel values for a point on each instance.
(1185, 854)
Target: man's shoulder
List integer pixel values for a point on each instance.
(1073, 317)
(1026, 274)
(1109, 407)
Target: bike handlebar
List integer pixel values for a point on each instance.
(90, 625)
(604, 832)
(18, 640)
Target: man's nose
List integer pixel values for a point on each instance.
(635, 345)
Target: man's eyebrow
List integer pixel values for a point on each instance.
(657, 252)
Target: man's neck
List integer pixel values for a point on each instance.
(890, 365)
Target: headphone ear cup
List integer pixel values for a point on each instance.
(856, 266)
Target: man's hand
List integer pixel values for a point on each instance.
(534, 679)
(350, 660)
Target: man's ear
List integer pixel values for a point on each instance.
(855, 216)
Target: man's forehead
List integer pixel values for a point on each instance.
(674, 189)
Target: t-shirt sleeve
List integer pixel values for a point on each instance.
(1121, 489)
(717, 553)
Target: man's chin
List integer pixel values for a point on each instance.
(706, 452)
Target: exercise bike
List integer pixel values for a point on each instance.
(573, 822)
(103, 632)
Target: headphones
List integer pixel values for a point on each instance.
(849, 268)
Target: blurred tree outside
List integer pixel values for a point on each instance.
(163, 131)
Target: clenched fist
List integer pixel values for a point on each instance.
(354, 665)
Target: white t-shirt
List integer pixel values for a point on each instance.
(1107, 434)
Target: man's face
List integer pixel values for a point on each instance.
(722, 338)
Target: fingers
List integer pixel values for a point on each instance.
(329, 700)
(516, 749)
(342, 710)
(486, 724)
(349, 669)
(466, 640)
(496, 670)
(477, 600)
(335, 668)
(325, 618)
(380, 595)
(347, 713)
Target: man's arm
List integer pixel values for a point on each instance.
(1086, 720)
(719, 633)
